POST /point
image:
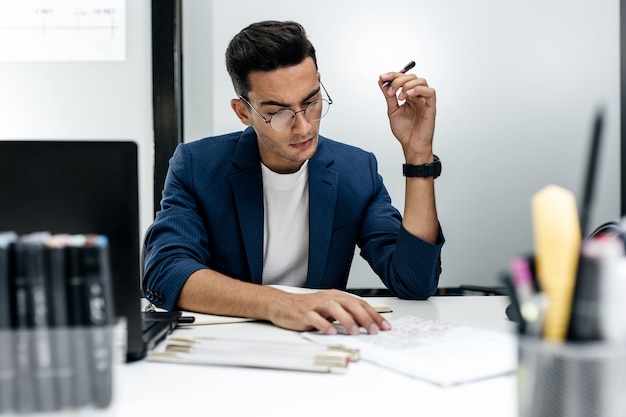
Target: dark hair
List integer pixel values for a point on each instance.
(266, 46)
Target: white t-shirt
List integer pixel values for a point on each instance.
(286, 227)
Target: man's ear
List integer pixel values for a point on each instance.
(241, 110)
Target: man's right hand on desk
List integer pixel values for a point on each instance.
(208, 291)
(318, 311)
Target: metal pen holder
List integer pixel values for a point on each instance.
(586, 379)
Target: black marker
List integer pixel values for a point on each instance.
(78, 314)
(406, 68)
(7, 358)
(96, 270)
(63, 352)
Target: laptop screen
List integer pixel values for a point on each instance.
(79, 187)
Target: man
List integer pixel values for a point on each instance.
(279, 204)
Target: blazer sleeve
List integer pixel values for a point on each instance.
(176, 243)
(408, 266)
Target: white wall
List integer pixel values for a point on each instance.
(517, 83)
(88, 100)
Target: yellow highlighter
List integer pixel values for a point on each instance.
(557, 238)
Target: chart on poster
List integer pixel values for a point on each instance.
(62, 30)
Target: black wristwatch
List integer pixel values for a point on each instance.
(426, 170)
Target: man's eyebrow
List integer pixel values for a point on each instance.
(279, 104)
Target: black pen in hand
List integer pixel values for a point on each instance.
(406, 68)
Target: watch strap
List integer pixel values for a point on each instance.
(425, 170)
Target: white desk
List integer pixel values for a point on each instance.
(150, 388)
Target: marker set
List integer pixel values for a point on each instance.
(56, 334)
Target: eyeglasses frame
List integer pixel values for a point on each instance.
(295, 113)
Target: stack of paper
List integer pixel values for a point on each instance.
(256, 354)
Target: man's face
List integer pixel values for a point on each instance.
(291, 88)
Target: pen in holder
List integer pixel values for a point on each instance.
(571, 379)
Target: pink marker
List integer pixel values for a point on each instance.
(406, 68)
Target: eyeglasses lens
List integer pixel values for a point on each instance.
(284, 119)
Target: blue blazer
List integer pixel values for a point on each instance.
(212, 217)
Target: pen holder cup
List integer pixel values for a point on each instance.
(57, 370)
(585, 379)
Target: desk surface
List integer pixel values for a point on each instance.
(367, 390)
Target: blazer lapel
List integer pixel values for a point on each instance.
(247, 186)
(323, 185)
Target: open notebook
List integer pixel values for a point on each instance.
(84, 187)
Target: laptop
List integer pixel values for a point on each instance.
(85, 187)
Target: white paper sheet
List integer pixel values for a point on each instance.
(435, 351)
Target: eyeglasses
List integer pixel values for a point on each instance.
(283, 120)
